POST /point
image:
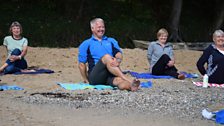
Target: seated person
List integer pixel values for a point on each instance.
(103, 56)
(213, 57)
(161, 58)
(16, 46)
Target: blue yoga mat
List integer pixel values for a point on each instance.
(10, 87)
(82, 86)
(37, 71)
(150, 76)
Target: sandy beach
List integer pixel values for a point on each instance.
(169, 102)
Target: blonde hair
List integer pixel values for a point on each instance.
(162, 31)
(92, 22)
(17, 24)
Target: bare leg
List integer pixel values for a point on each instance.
(120, 80)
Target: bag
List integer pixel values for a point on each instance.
(219, 117)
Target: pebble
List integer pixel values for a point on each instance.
(181, 100)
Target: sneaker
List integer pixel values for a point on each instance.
(206, 114)
(181, 76)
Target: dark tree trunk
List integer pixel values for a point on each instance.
(219, 16)
(174, 21)
(80, 12)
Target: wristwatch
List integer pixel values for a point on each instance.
(119, 60)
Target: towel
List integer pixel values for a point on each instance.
(200, 84)
(147, 84)
(37, 71)
(150, 76)
(82, 86)
(189, 75)
(11, 87)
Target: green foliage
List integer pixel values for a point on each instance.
(56, 23)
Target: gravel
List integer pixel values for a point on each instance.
(167, 97)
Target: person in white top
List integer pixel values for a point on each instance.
(17, 47)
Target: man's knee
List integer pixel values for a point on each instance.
(106, 58)
(16, 52)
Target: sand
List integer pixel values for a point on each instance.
(64, 62)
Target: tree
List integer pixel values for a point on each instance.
(174, 21)
(80, 11)
(219, 15)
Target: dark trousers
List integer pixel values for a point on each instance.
(17, 65)
(161, 68)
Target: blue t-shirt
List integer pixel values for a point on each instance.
(91, 50)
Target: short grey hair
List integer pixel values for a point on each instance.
(17, 24)
(92, 22)
(218, 33)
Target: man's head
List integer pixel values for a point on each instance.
(97, 28)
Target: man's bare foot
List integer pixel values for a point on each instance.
(135, 85)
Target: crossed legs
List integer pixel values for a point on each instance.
(17, 66)
(107, 71)
(120, 80)
(161, 68)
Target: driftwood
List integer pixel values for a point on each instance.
(176, 45)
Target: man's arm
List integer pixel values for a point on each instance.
(83, 71)
(119, 57)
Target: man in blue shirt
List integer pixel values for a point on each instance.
(103, 56)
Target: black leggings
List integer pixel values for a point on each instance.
(161, 68)
(100, 75)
